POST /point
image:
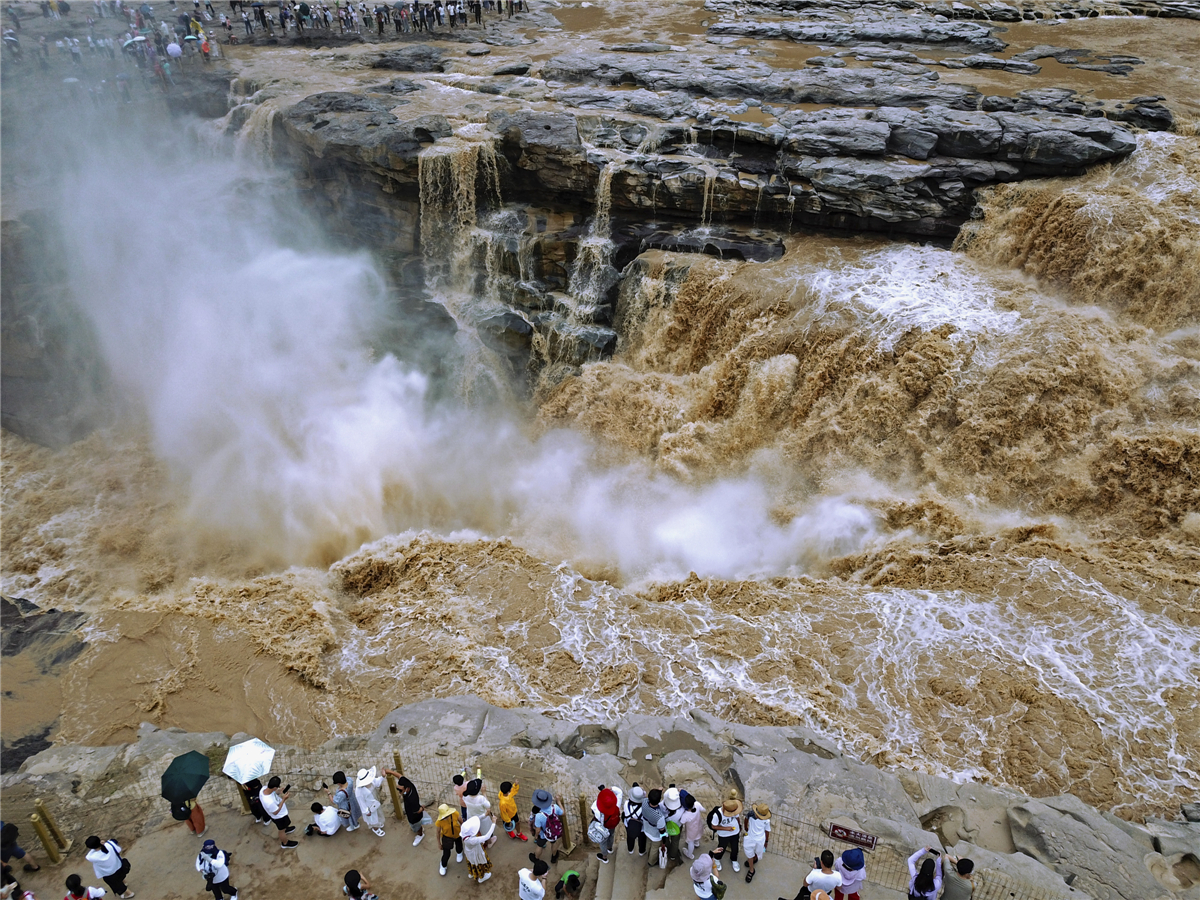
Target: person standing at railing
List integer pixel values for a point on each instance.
(474, 799)
(758, 835)
(510, 819)
(365, 787)
(343, 798)
(852, 866)
(924, 884)
(823, 877)
(958, 879)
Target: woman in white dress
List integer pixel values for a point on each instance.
(475, 841)
(364, 791)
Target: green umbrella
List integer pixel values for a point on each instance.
(185, 776)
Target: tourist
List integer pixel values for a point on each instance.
(673, 804)
(691, 820)
(326, 821)
(357, 888)
(531, 883)
(460, 785)
(727, 823)
(476, 842)
(924, 884)
(474, 800)
(414, 812)
(632, 817)
(569, 886)
(343, 798)
(365, 787)
(213, 864)
(758, 835)
(547, 823)
(274, 804)
(606, 809)
(509, 817)
(251, 791)
(10, 849)
(852, 866)
(702, 875)
(654, 824)
(76, 890)
(110, 867)
(189, 811)
(449, 828)
(958, 879)
(823, 877)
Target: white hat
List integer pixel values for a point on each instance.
(366, 777)
(671, 798)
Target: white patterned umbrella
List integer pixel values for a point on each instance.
(247, 760)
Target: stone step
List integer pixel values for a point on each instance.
(629, 875)
(605, 877)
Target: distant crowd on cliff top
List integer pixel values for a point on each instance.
(667, 826)
(152, 45)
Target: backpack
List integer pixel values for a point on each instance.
(714, 818)
(553, 828)
(180, 812)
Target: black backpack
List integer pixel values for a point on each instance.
(180, 812)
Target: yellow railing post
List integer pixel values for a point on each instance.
(391, 780)
(246, 810)
(59, 837)
(48, 842)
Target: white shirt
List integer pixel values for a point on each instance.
(757, 829)
(328, 821)
(476, 804)
(106, 860)
(723, 826)
(214, 864)
(273, 803)
(91, 893)
(818, 880)
(531, 888)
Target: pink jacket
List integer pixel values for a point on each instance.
(692, 823)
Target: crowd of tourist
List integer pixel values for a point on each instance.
(666, 827)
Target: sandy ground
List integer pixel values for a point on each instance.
(164, 863)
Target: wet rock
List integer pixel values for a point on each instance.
(517, 68)
(739, 78)
(645, 47)
(911, 30)
(834, 132)
(1190, 811)
(395, 86)
(478, 51)
(983, 61)
(412, 58)
(829, 62)
(1076, 841)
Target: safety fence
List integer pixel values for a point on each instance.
(138, 807)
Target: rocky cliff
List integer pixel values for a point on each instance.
(1053, 846)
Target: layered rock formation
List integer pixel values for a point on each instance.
(1056, 846)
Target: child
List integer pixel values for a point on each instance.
(508, 810)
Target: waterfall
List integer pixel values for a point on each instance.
(587, 285)
(449, 175)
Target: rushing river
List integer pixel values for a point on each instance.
(942, 505)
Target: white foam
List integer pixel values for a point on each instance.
(909, 287)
